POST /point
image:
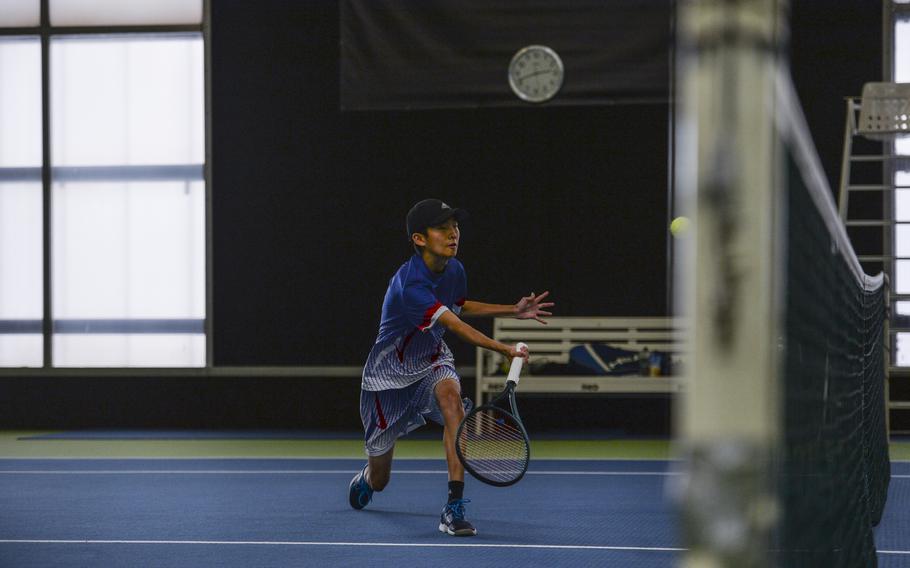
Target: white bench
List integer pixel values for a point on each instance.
(552, 343)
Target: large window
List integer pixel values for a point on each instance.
(102, 191)
(21, 272)
(901, 284)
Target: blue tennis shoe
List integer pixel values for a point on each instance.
(452, 519)
(360, 492)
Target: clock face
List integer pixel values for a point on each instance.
(535, 73)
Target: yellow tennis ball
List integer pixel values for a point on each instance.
(679, 226)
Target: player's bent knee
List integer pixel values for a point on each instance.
(448, 389)
(451, 406)
(448, 394)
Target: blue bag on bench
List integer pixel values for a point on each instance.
(603, 359)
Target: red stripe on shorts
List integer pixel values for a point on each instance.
(382, 424)
(435, 356)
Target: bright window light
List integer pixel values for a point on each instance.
(20, 13)
(21, 241)
(129, 350)
(902, 68)
(902, 276)
(20, 102)
(119, 12)
(902, 240)
(129, 250)
(903, 350)
(128, 219)
(21, 350)
(902, 196)
(21, 273)
(21, 244)
(127, 202)
(118, 101)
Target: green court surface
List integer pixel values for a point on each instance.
(15, 444)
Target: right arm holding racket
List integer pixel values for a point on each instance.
(491, 441)
(470, 335)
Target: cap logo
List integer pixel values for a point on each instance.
(444, 206)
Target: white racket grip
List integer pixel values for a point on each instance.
(515, 368)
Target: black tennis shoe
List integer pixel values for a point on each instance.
(452, 519)
(360, 492)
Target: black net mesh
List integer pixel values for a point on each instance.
(835, 468)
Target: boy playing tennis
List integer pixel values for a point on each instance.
(410, 373)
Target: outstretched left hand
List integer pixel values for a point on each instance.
(531, 307)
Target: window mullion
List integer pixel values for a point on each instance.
(48, 317)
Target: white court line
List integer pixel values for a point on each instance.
(377, 544)
(318, 471)
(291, 472)
(319, 543)
(303, 458)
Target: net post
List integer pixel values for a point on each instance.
(729, 277)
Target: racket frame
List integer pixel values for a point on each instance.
(508, 394)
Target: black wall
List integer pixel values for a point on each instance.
(835, 48)
(310, 201)
(309, 206)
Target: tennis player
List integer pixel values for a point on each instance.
(409, 375)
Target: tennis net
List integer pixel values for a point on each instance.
(834, 468)
(783, 411)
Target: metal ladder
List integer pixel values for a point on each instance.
(884, 115)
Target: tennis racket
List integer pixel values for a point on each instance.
(491, 441)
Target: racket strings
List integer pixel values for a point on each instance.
(494, 445)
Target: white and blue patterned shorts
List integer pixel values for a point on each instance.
(389, 414)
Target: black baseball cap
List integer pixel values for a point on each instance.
(431, 212)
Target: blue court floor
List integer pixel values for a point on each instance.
(294, 512)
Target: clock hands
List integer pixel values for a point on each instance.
(533, 61)
(534, 73)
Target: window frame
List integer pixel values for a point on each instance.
(894, 12)
(47, 174)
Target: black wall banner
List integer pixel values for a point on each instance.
(413, 54)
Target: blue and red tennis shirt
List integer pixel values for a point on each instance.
(409, 344)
